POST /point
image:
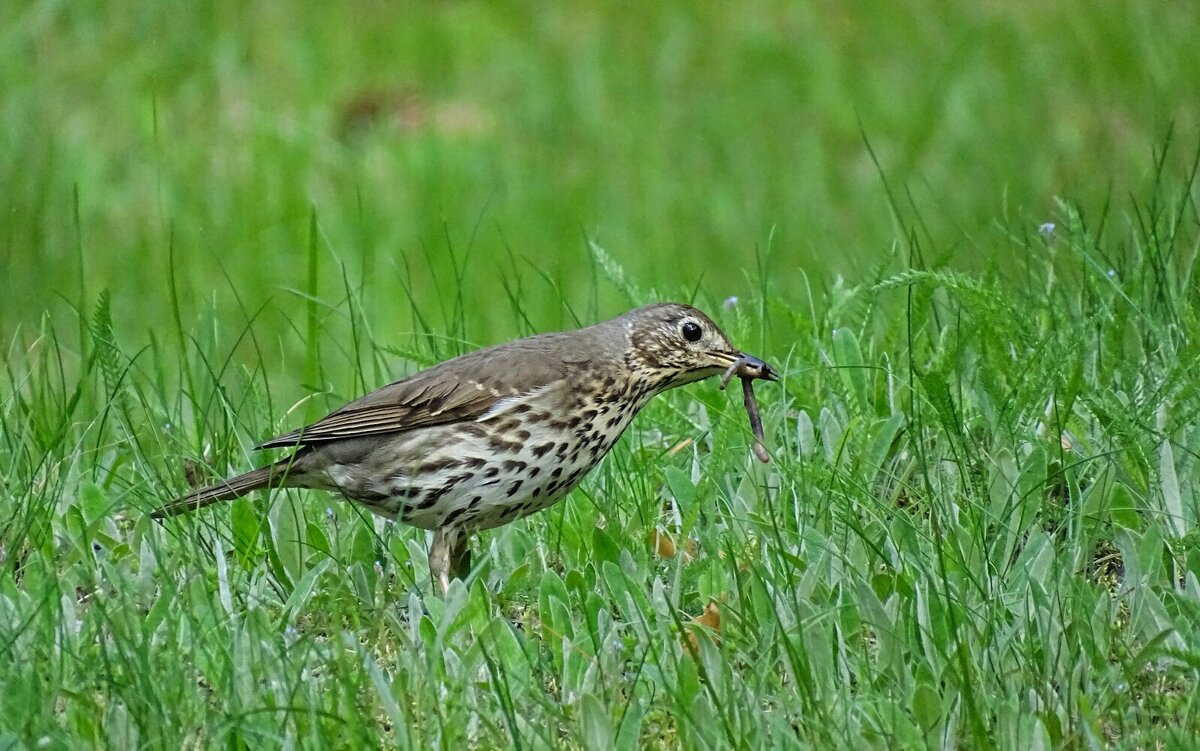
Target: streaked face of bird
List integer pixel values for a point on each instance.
(677, 344)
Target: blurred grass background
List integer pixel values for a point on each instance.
(979, 527)
(695, 143)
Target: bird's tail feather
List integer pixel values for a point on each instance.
(226, 490)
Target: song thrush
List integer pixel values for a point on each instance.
(478, 441)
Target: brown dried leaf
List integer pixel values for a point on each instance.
(691, 549)
(679, 447)
(709, 619)
(662, 545)
(408, 109)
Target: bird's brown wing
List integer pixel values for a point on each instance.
(460, 389)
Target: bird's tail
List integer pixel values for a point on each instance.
(269, 476)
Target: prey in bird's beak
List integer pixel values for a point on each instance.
(750, 369)
(742, 364)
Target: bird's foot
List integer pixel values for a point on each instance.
(448, 555)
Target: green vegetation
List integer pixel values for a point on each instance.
(979, 527)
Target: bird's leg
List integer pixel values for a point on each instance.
(447, 542)
(460, 557)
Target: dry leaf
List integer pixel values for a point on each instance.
(709, 619)
(691, 548)
(408, 109)
(662, 545)
(679, 447)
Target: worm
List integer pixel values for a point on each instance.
(760, 449)
(749, 368)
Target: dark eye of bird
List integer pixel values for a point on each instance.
(691, 331)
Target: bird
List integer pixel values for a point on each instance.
(496, 434)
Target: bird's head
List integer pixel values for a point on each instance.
(678, 344)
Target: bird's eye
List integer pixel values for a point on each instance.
(691, 331)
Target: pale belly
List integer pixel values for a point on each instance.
(464, 475)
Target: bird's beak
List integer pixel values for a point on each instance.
(742, 364)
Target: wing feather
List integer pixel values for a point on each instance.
(461, 389)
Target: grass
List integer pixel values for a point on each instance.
(979, 527)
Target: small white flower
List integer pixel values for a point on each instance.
(1046, 229)
(730, 302)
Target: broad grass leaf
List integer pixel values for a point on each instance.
(1192, 561)
(926, 706)
(1098, 497)
(244, 525)
(455, 602)
(595, 724)
(848, 357)
(304, 589)
(604, 548)
(595, 613)
(1122, 509)
(883, 436)
(1169, 486)
(554, 612)
(1149, 552)
(161, 608)
(1002, 484)
(552, 587)
(831, 434)
(1032, 484)
(364, 544)
(224, 591)
(629, 733)
(806, 438)
(683, 490)
(287, 537)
